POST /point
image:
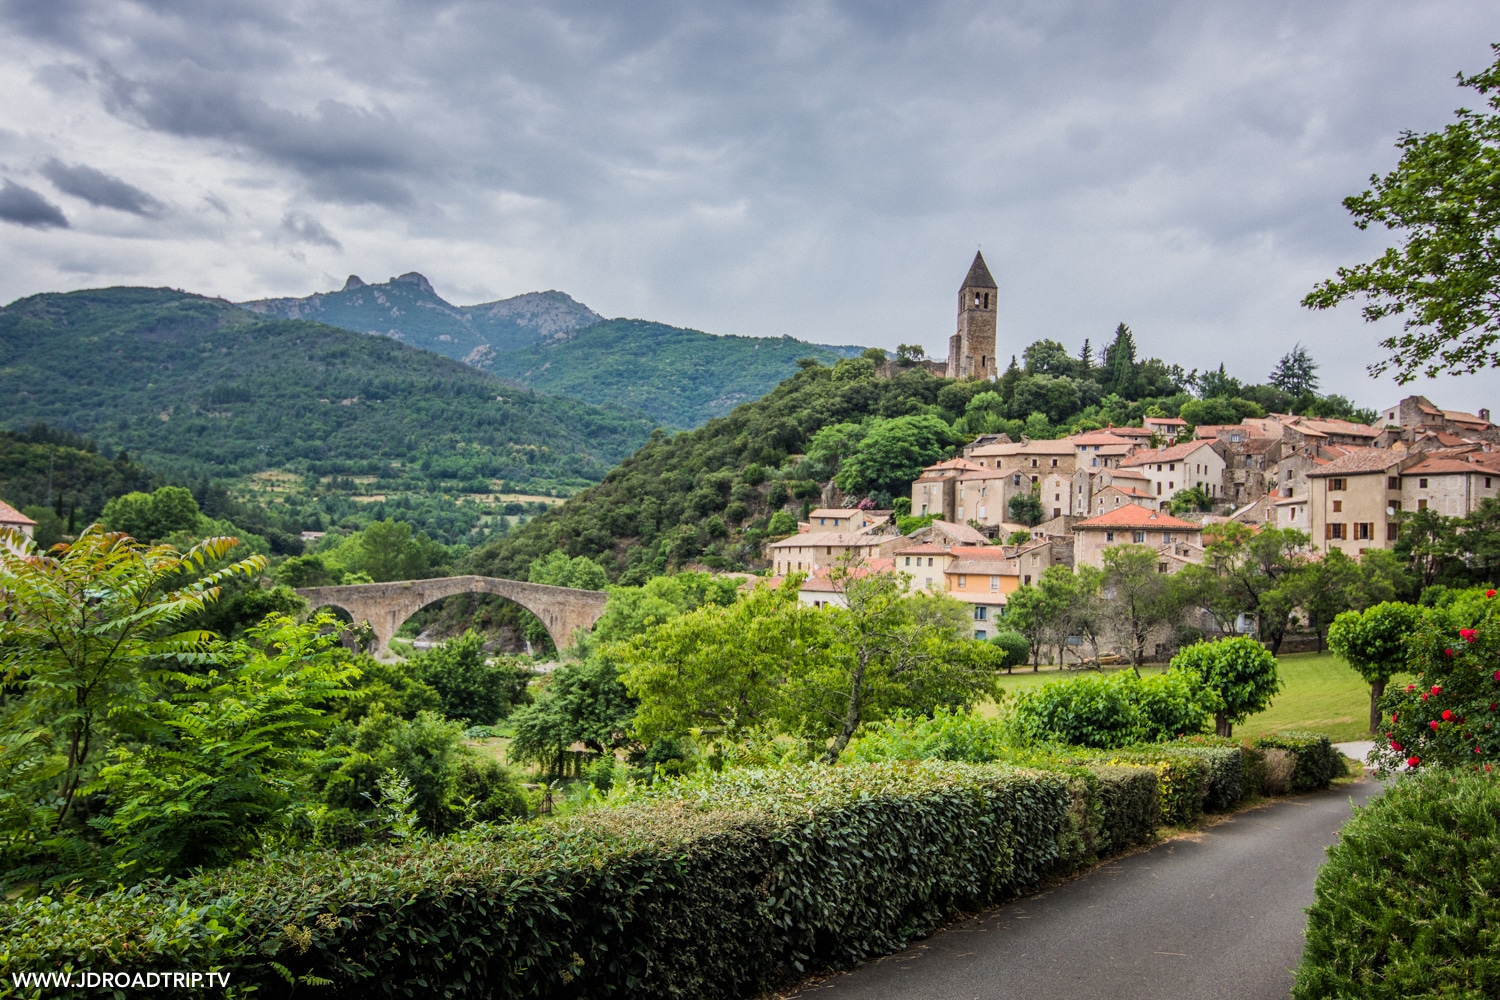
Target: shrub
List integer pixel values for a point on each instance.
(709, 887)
(1017, 648)
(1318, 763)
(1404, 907)
(470, 686)
(1451, 716)
(1112, 711)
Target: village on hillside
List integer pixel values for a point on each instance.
(1343, 484)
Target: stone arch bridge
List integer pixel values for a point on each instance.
(385, 606)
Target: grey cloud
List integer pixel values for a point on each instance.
(25, 207)
(348, 154)
(100, 189)
(303, 228)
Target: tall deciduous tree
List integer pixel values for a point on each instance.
(1239, 671)
(1140, 602)
(1445, 279)
(1372, 642)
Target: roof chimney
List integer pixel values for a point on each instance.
(1484, 415)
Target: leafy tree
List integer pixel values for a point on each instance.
(1429, 544)
(1015, 647)
(471, 687)
(1296, 372)
(83, 631)
(1194, 498)
(1252, 572)
(1372, 642)
(1240, 672)
(1445, 279)
(909, 354)
(227, 764)
(1026, 508)
(1029, 612)
(1140, 602)
(582, 701)
(304, 571)
(389, 551)
(634, 610)
(557, 570)
(718, 669)
(782, 523)
(152, 517)
(885, 650)
(893, 453)
(1047, 357)
(1110, 711)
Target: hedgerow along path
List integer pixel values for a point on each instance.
(1213, 915)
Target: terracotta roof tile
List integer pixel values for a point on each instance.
(9, 515)
(1175, 453)
(1357, 462)
(1133, 516)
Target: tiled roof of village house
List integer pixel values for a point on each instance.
(962, 464)
(1131, 432)
(1446, 466)
(834, 512)
(1129, 491)
(1128, 474)
(1101, 437)
(978, 474)
(1059, 446)
(924, 549)
(1175, 453)
(979, 551)
(1133, 516)
(997, 450)
(982, 567)
(9, 515)
(1328, 426)
(956, 532)
(1460, 417)
(815, 539)
(1357, 462)
(818, 579)
(1166, 421)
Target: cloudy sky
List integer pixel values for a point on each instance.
(824, 170)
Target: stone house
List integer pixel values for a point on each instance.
(1114, 495)
(804, 553)
(845, 519)
(1180, 467)
(935, 491)
(1352, 502)
(982, 577)
(1416, 414)
(1130, 524)
(1450, 486)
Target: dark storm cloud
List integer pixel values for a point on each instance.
(303, 228)
(346, 153)
(100, 189)
(25, 207)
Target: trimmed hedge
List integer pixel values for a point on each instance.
(1408, 903)
(1318, 763)
(714, 886)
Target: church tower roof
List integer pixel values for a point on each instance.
(979, 275)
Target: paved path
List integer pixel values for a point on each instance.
(1215, 915)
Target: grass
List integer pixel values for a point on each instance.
(1320, 693)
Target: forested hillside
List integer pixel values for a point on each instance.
(711, 496)
(195, 385)
(680, 377)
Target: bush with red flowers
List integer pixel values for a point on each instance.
(1451, 716)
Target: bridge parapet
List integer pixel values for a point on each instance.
(562, 610)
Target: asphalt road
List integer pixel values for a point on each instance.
(1218, 914)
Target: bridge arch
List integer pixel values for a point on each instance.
(561, 610)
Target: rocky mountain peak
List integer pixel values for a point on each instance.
(352, 283)
(413, 278)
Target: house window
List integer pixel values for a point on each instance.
(908, 560)
(1166, 538)
(1421, 505)
(1172, 467)
(979, 633)
(1421, 484)
(962, 581)
(1015, 480)
(1140, 536)
(1393, 482)
(1056, 496)
(1033, 463)
(1026, 580)
(1054, 463)
(994, 583)
(1338, 506)
(981, 613)
(1161, 567)
(929, 560)
(1109, 536)
(1336, 529)
(1338, 484)
(1392, 531)
(1364, 531)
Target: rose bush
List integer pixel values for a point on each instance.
(1450, 717)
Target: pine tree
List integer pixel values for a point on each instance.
(1086, 360)
(1295, 372)
(1121, 372)
(1008, 380)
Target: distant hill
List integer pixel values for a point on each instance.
(197, 385)
(551, 342)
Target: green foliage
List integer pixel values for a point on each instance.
(62, 471)
(557, 570)
(1015, 646)
(1194, 498)
(1445, 279)
(1296, 372)
(715, 886)
(891, 453)
(229, 757)
(630, 611)
(470, 686)
(580, 702)
(1318, 763)
(196, 385)
(85, 629)
(1026, 508)
(1449, 717)
(383, 551)
(152, 517)
(1402, 907)
(782, 523)
(1373, 643)
(1109, 711)
(1240, 673)
(913, 523)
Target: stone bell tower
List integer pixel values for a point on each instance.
(971, 351)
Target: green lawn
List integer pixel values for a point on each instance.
(1319, 693)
